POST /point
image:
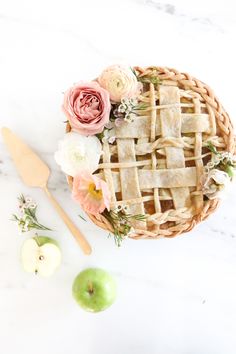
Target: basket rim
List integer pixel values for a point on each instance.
(225, 126)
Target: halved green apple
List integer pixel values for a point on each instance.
(41, 255)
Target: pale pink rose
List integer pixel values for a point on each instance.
(91, 192)
(120, 82)
(87, 107)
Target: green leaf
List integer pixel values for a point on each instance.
(118, 238)
(81, 217)
(141, 106)
(38, 226)
(140, 217)
(100, 136)
(133, 70)
(31, 212)
(15, 217)
(212, 148)
(149, 79)
(230, 170)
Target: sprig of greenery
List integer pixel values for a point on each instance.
(141, 106)
(146, 79)
(121, 215)
(223, 161)
(100, 136)
(118, 237)
(27, 219)
(212, 148)
(121, 223)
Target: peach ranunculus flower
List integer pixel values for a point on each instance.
(91, 192)
(87, 107)
(120, 82)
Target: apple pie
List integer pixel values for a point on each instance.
(155, 161)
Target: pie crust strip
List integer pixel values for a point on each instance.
(198, 198)
(171, 127)
(129, 179)
(150, 179)
(107, 171)
(141, 127)
(152, 139)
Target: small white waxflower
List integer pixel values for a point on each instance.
(122, 108)
(216, 159)
(26, 203)
(31, 205)
(23, 224)
(112, 139)
(230, 157)
(121, 208)
(127, 105)
(130, 117)
(109, 136)
(77, 153)
(28, 199)
(210, 165)
(21, 207)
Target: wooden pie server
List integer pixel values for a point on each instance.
(35, 173)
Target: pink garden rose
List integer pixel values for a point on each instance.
(87, 107)
(91, 192)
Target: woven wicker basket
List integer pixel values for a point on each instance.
(198, 98)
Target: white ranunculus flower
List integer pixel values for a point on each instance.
(215, 183)
(77, 153)
(120, 82)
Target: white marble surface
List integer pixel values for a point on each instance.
(175, 296)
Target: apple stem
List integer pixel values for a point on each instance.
(37, 238)
(90, 287)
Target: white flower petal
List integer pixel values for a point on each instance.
(220, 177)
(77, 153)
(216, 184)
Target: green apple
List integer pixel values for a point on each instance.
(40, 255)
(94, 289)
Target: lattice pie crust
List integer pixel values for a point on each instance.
(156, 164)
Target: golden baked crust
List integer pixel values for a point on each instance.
(156, 164)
